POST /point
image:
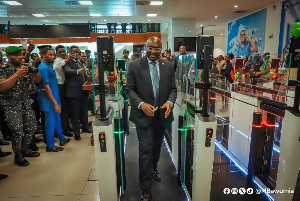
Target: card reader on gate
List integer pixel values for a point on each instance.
(209, 133)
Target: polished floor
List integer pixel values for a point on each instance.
(62, 176)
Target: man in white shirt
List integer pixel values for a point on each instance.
(58, 64)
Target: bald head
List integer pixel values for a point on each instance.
(153, 48)
(154, 39)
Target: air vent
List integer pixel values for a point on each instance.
(142, 3)
(240, 11)
(72, 3)
(211, 25)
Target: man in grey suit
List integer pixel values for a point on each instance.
(152, 92)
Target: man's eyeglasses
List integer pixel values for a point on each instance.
(83, 56)
(156, 49)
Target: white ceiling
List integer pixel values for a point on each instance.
(57, 11)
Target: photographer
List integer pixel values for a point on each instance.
(75, 77)
(16, 104)
(58, 64)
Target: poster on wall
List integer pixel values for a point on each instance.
(290, 14)
(246, 35)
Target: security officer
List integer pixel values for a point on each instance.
(15, 102)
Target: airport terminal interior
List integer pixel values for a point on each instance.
(150, 100)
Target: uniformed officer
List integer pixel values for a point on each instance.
(15, 102)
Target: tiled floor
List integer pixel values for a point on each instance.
(62, 176)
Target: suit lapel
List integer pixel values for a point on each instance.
(146, 72)
(162, 72)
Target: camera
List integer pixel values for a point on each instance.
(31, 70)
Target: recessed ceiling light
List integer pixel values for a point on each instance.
(216, 16)
(104, 20)
(201, 25)
(156, 3)
(236, 6)
(12, 3)
(85, 3)
(149, 20)
(96, 15)
(151, 15)
(181, 34)
(190, 31)
(221, 34)
(38, 15)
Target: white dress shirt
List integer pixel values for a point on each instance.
(57, 67)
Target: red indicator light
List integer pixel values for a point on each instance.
(210, 131)
(102, 136)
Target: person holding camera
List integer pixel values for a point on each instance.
(50, 102)
(75, 77)
(16, 105)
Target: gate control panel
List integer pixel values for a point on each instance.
(102, 142)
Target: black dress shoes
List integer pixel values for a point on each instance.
(77, 137)
(2, 142)
(30, 153)
(68, 134)
(54, 149)
(3, 176)
(33, 147)
(146, 196)
(64, 142)
(87, 131)
(4, 154)
(156, 175)
(20, 160)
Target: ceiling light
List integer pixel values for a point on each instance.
(151, 15)
(236, 6)
(104, 20)
(201, 25)
(12, 3)
(216, 16)
(221, 34)
(86, 3)
(38, 15)
(190, 31)
(149, 20)
(156, 3)
(96, 15)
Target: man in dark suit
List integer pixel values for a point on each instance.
(152, 92)
(75, 77)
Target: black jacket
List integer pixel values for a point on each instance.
(74, 81)
(139, 89)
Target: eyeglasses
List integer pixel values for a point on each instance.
(83, 56)
(156, 49)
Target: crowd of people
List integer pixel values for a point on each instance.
(42, 94)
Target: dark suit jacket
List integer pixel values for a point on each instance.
(73, 81)
(139, 89)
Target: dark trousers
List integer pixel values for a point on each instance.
(64, 108)
(150, 141)
(78, 110)
(3, 125)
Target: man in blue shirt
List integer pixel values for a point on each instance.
(50, 102)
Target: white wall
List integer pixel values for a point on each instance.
(273, 20)
(164, 40)
(273, 27)
(219, 46)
